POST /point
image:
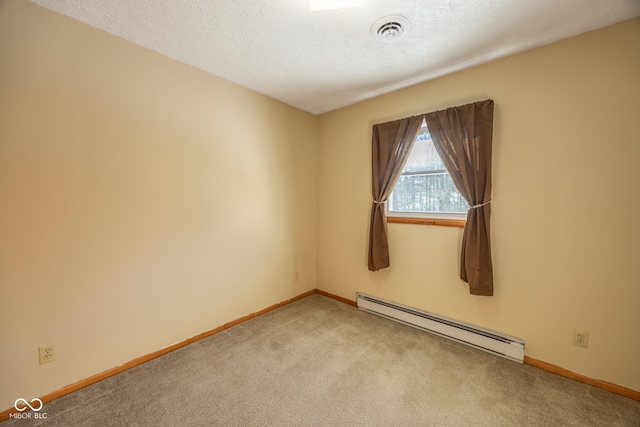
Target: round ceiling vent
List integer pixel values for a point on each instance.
(390, 28)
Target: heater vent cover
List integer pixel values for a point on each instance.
(483, 339)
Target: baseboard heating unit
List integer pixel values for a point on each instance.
(483, 339)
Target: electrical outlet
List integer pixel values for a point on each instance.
(580, 338)
(297, 276)
(47, 353)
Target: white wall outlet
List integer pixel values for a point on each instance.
(47, 353)
(580, 338)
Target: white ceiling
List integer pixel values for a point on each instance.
(321, 61)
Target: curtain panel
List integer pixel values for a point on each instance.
(391, 145)
(463, 138)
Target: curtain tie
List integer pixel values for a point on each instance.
(380, 203)
(480, 205)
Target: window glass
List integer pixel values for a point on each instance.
(425, 185)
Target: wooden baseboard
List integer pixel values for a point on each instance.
(613, 388)
(142, 359)
(336, 297)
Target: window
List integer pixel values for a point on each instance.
(425, 188)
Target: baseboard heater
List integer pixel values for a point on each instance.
(483, 339)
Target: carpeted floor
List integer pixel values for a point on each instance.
(318, 362)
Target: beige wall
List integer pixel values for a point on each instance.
(566, 202)
(142, 201)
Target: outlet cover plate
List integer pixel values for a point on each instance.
(580, 338)
(47, 353)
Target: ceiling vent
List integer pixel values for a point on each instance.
(390, 28)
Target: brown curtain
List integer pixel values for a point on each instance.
(463, 137)
(391, 145)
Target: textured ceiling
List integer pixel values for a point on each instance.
(321, 61)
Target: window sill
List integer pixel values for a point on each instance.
(427, 221)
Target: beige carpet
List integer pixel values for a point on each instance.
(318, 362)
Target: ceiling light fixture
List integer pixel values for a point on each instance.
(390, 28)
(316, 5)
